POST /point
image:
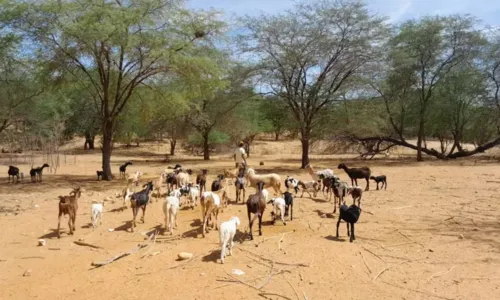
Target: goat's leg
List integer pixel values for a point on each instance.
(353, 237)
(217, 219)
(283, 216)
(143, 213)
(251, 224)
(231, 244)
(385, 181)
(291, 212)
(73, 220)
(260, 223)
(338, 224)
(223, 251)
(367, 184)
(59, 226)
(69, 224)
(347, 225)
(203, 226)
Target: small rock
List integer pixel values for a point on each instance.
(249, 266)
(27, 273)
(238, 272)
(41, 242)
(202, 274)
(475, 229)
(184, 255)
(111, 229)
(430, 250)
(37, 206)
(461, 236)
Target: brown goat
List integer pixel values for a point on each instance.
(68, 205)
(256, 204)
(210, 204)
(357, 173)
(201, 180)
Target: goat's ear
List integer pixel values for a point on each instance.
(270, 201)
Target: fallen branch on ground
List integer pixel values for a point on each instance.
(117, 257)
(442, 273)
(370, 271)
(294, 290)
(387, 268)
(418, 291)
(277, 262)
(87, 245)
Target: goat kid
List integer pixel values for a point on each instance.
(291, 183)
(68, 205)
(14, 173)
(227, 231)
(96, 214)
(170, 210)
(278, 204)
(308, 186)
(380, 179)
(210, 205)
(123, 169)
(36, 173)
(140, 200)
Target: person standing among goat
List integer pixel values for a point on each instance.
(240, 155)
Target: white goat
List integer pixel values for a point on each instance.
(227, 230)
(308, 186)
(127, 195)
(96, 213)
(291, 183)
(210, 204)
(278, 204)
(170, 210)
(194, 192)
(134, 178)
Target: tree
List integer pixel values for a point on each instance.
(19, 82)
(308, 55)
(278, 118)
(431, 49)
(118, 45)
(218, 96)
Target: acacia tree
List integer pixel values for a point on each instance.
(127, 43)
(19, 85)
(433, 86)
(432, 48)
(306, 56)
(215, 102)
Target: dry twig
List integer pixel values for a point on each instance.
(438, 274)
(79, 243)
(295, 291)
(370, 271)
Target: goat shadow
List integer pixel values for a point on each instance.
(125, 227)
(52, 234)
(335, 239)
(213, 256)
(193, 233)
(328, 215)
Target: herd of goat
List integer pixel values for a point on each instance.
(179, 185)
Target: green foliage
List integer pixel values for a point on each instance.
(215, 137)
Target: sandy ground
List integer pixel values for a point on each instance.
(433, 234)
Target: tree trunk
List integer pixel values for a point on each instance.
(89, 142)
(305, 152)
(276, 136)
(107, 147)
(206, 148)
(420, 138)
(173, 143)
(247, 150)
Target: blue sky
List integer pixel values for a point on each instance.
(396, 10)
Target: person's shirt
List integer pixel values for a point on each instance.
(239, 154)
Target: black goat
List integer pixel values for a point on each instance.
(378, 179)
(99, 174)
(256, 204)
(13, 172)
(289, 204)
(140, 200)
(36, 173)
(217, 184)
(357, 173)
(123, 168)
(350, 215)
